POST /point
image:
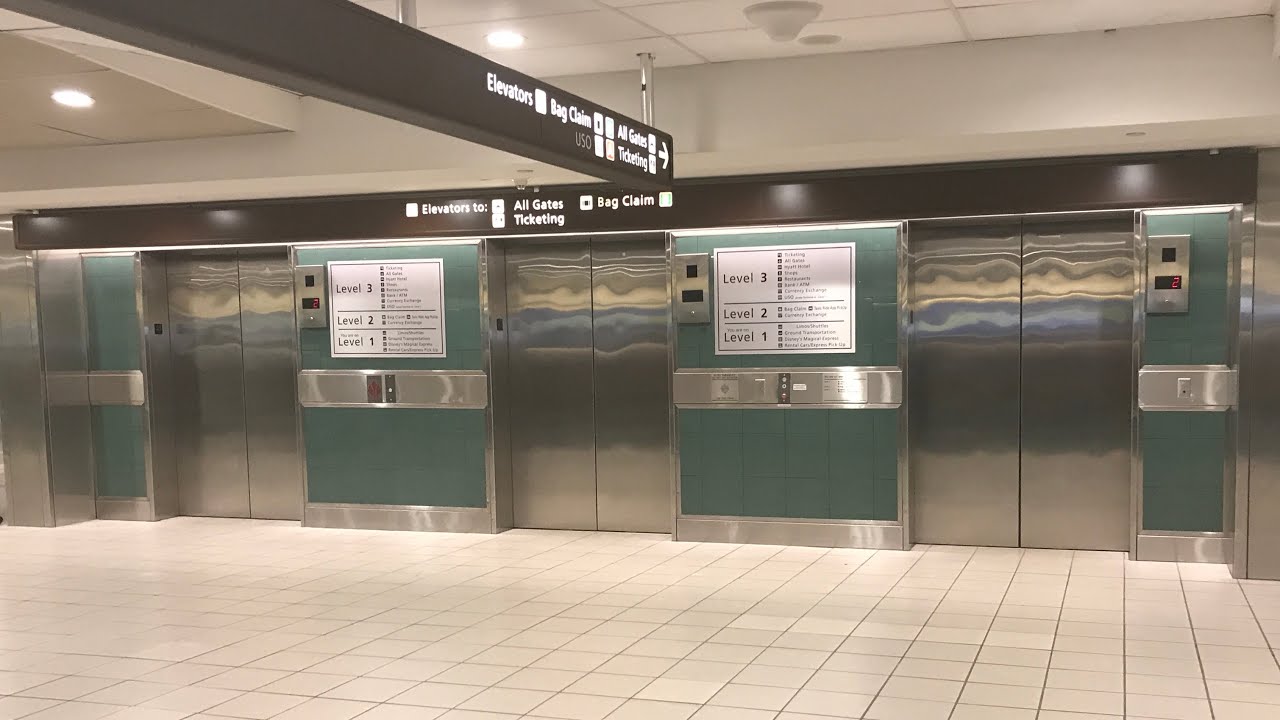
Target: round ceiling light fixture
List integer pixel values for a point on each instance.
(819, 40)
(782, 20)
(505, 39)
(72, 98)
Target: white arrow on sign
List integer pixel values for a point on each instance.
(666, 156)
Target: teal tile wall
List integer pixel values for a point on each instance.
(463, 337)
(789, 463)
(112, 313)
(118, 455)
(401, 456)
(1184, 454)
(797, 463)
(395, 457)
(875, 311)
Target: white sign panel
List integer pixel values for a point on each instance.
(788, 299)
(386, 309)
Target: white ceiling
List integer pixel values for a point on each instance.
(571, 37)
(127, 109)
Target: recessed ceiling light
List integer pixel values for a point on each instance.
(73, 98)
(505, 39)
(1135, 133)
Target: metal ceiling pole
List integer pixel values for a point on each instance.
(646, 87)
(407, 12)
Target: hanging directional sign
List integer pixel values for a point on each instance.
(342, 52)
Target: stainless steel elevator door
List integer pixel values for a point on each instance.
(587, 358)
(632, 412)
(1077, 380)
(234, 402)
(208, 380)
(1021, 377)
(965, 295)
(553, 463)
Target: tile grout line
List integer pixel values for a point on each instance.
(983, 644)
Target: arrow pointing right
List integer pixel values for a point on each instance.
(666, 156)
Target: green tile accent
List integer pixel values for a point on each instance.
(463, 337)
(401, 456)
(1184, 454)
(118, 454)
(876, 308)
(797, 463)
(789, 463)
(110, 294)
(395, 457)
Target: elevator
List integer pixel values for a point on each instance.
(1021, 381)
(588, 367)
(234, 393)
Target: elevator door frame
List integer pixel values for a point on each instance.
(619, 459)
(1006, 523)
(268, 463)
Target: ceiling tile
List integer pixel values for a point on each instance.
(873, 33)
(1046, 17)
(432, 13)
(586, 28)
(10, 20)
(694, 16)
(172, 125)
(19, 135)
(602, 57)
(23, 58)
(978, 3)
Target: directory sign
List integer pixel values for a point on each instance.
(389, 308)
(788, 299)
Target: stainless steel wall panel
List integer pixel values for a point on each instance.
(27, 494)
(65, 351)
(270, 393)
(414, 388)
(835, 387)
(117, 388)
(499, 416)
(633, 446)
(551, 385)
(1077, 379)
(208, 366)
(964, 298)
(162, 462)
(1203, 388)
(1260, 384)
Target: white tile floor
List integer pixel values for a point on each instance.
(212, 619)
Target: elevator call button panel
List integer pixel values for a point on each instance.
(691, 285)
(1168, 274)
(310, 292)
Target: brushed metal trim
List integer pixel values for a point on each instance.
(1185, 547)
(1136, 500)
(1245, 230)
(904, 429)
(116, 508)
(867, 534)
(457, 389)
(418, 518)
(1215, 388)
(758, 387)
(117, 388)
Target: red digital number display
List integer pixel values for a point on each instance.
(1168, 282)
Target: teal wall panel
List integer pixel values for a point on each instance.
(111, 304)
(1184, 453)
(395, 457)
(797, 463)
(463, 331)
(118, 451)
(401, 456)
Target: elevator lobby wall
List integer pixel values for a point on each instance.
(441, 443)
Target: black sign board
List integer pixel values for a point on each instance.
(873, 195)
(348, 54)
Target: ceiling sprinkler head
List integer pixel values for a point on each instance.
(782, 20)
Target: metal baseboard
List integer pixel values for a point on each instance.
(397, 517)
(121, 508)
(1185, 547)
(866, 534)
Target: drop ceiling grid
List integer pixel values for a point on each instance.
(583, 36)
